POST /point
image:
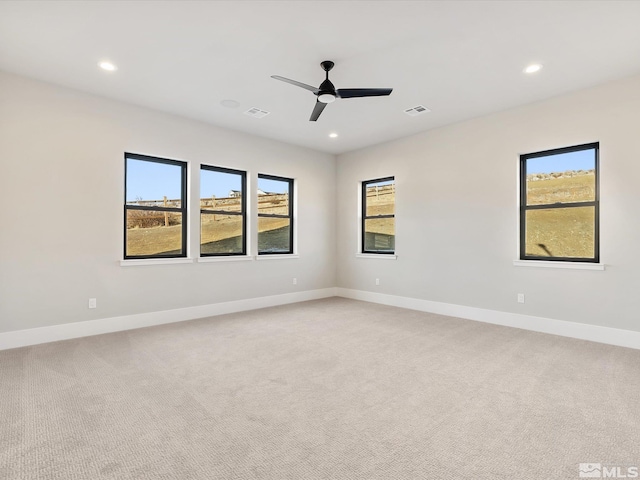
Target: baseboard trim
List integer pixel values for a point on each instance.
(54, 333)
(582, 331)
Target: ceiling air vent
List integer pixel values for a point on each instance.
(256, 113)
(417, 110)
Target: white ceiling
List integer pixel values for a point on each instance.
(461, 59)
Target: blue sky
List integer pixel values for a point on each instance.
(581, 160)
(152, 181)
(218, 184)
(380, 184)
(272, 186)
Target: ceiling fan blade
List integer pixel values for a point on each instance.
(317, 110)
(296, 83)
(363, 92)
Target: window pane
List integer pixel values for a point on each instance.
(380, 198)
(561, 232)
(274, 235)
(153, 183)
(220, 190)
(562, 178)
(153, 233)
(273, 196)
(220, 233)
(379, 235)
(276, 203)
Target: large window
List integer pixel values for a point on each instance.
(275, 215)
(222, 211)
(559, 205)
(155, 210)
(378, 216)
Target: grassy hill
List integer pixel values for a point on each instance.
(151, 233)
(566, 232)
(550, 233)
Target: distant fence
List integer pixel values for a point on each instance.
(377, 191)
(165, 202)
(267, 203)
(534, 177)
(212, 201)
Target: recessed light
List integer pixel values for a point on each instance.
(108, 66)
(333, 135)
(230, 103)
(533, 68)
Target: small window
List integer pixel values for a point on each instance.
(559, 205)
(155, 210)
(275, 215)
(378, 216)
(222, 211)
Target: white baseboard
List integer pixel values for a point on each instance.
(583, 331)
(34, 336)
(594, 333)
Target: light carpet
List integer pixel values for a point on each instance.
(327, 389)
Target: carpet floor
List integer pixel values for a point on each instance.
(327, 389)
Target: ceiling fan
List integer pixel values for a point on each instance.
(327, 93)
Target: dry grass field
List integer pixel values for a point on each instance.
(566, 232)
(154, 240)
(381, 202)
(551, 232)
(148, 234)
(379, 233)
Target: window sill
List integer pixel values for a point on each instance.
(566, 265)
(225, 258)
(154, 261)
(276, 256)
(381, 256)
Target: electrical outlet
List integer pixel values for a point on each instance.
(521, 298)
(93, 303)
(295, 281)
(377, 281)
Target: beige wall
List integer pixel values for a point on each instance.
(61, 191)
(457, 211)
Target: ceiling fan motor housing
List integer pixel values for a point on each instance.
(327, 92)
